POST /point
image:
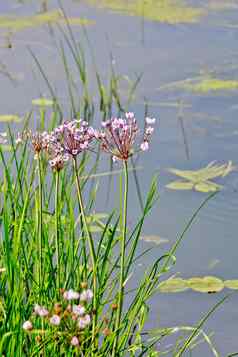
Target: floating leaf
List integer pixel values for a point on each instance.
(154, 239)
(180, 185)
(208, 284)
(231, 284)
(2, 270)
(9, 118)
(20, 23)
(168, 11)
(211, 85)
(173, 285)
(199, 179)
(43, 102)
(207, 187)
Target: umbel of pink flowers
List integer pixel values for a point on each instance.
(72, 315)
(119, 137)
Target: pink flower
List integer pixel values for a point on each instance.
(73, 137)
(41, 310)
(150, 121)
(55, 320)
(71, 295)
(86, 295)
(79, 310)
(27, 326)
(119, 135)
(144, 146)
(84, 321)
(74, 341)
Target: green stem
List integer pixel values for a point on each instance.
(40, 236)
(57, 229)
(122, 263)
(91, 248)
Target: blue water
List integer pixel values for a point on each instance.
(164, 53)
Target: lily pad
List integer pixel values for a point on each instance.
(231, 284)
(173, 285)
(207, 284)
(9, 118)
(168, 11)
(43, 102)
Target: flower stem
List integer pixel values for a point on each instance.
(40, 236)
(91, 248)
(122, 263)
(57, 247)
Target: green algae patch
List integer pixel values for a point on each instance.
(17, 23)
(167, 11)
(211, 85)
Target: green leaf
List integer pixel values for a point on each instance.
(211, 85)
(180, 185)
(207, 187)
(207, 284)
(173, 285)
(199, 179)
(231, 284)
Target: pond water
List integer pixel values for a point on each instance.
(203, 46)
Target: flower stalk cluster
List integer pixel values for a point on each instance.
(71, 317)
(120, 138)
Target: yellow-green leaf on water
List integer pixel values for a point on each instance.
(168, 11)
(173, 285)
(231, 284)
(17, 23)
(207, 284)
(207, 187)
(211, 85)
(6, 118)
(180, 185)
(43, 102)
(199, 179)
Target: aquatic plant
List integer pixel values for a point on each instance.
(199, 180)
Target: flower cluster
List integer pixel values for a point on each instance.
(38, 140)
(71, 316)
(119, 135)
(118, 138)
